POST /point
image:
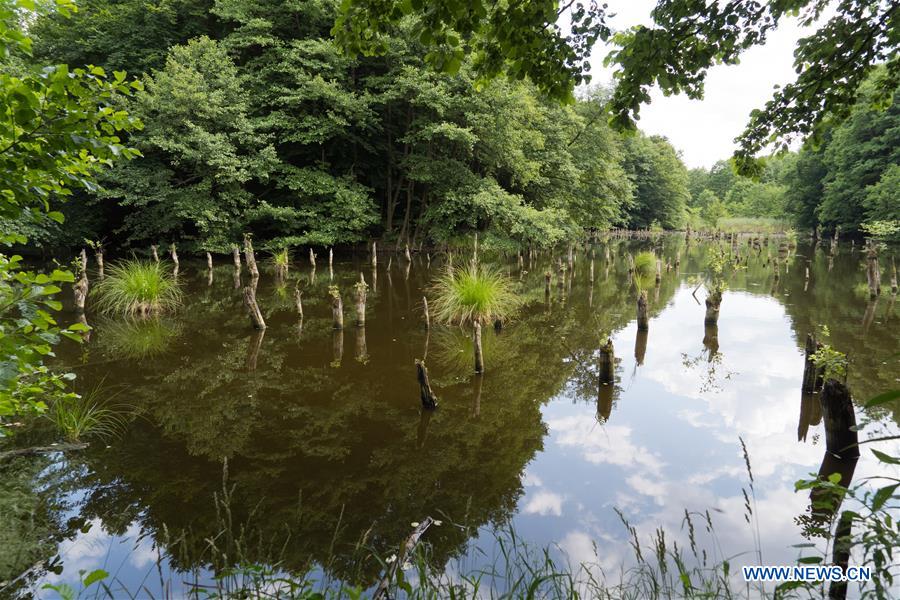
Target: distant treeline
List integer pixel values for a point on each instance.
(255, 121)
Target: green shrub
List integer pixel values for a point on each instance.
(473, 293)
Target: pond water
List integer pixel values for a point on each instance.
(296, 446)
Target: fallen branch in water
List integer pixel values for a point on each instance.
(42, 450)
(411, 542)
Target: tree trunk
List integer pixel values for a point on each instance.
(873, 273)
(374, 255)
(713, 302)
(337, 308)
(312, 258)
(361, 288)
(250, 259)
(256, 317)
(236, 255)
(607, 363)
(99, 255)
(298, 301)
(81, 291)
(174, 253)
(429, 400)
(810, 371)
(643, 316)
(479, 355)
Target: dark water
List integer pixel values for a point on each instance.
(300, 445)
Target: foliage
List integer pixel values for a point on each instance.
(473, 293)
(523, 40)
(645, 263)
(138, 287)
(660, 180)
(832, 362)
(89, 415)
(58, 128)
(687, 38)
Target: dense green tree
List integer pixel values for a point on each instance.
(661, 182)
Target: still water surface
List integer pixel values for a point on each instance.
(310, 441)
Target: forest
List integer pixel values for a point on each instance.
(393, 299)
(253, 119)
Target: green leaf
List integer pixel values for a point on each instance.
(886, 458)
(883, 398)
(94, 577)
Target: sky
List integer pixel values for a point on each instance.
(704, 130)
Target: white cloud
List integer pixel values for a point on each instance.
(544, 503)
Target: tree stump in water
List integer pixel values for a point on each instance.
(640, 346)
(256, 317)
(893, 276)
(98, 253)
(643, 316)
(312, 258)
(479, 355)
(250, 257)
(812, 375)
(607, 363)
(361, 288)
(547, 277)
(374, 255)
(154, 253)
(174, 254)
(713, 303)
(80, 289)
(658, 271)
(209, 264)
(337, 307)
(236, 256)
(429, 400)
(298, 300)
(841, 438)
(591, 273)
(427, 315)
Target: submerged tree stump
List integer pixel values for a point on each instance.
(337, 307)
(250, 257)
(810, 370)
(607, 363)
(80, 290)
(173, 252)
(154, 253)
(374, 255)
(98, 254)
(256, 317)
(713, 303)
(591, 272)
(479, 355)
(643, 315)
(209, 263)
(893, 276)
(361, 288)
(236, 256)
(547, 277)
(429, 400)
(427, 315)
(658, 271)
(298, 300)
(841, 438)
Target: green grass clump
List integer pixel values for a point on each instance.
(92, 415)
(645, 263)
(138, 287)
(473, 293)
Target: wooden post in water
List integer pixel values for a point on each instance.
(250, 258)
(362, 351)
(841, 438)
(643, 316)
(607, 363)
(843, 542)
(312, 258)
(154, 252)
(337, 307)
(427, 315)
(98, 253)
(236, 255)
(810, 371)
(479, 355)
(80, 289)
(406, 254)
(658, 271)
(256, 317)
(713, 303)
(429, 400)
(209, 263)
(330, 257)
(547, 277)
(361, 288)
(174, 254)
(374, 255)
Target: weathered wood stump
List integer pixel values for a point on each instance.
(98, 253)
(643, 315)
(607, 363)
(298, 299)
(80, 290)
(547, 277)
(873, 273)
(479, 354)
(713, 304)
(337, 307)
(256, 317)
(236, 256)
(426, 394)
(361, 289)
(362, 351)
(250, 257)
(841, 438)
(374, 255)
(173, 252)
(154, 253)
(427, 315)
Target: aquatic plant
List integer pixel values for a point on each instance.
(473, 293)
(138, 338)
(645, 263)
(138, 287)
(280, 260)
(91, 415)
